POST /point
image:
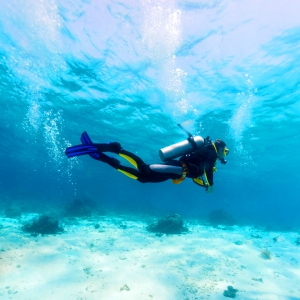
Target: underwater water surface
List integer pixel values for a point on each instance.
(130, 71)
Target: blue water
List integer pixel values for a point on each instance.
(129, 71)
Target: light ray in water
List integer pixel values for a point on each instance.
(242, 120)
(162, 36)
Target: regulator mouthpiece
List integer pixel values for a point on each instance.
(223, 161)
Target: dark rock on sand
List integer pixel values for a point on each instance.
(42, 225)
(171, 224)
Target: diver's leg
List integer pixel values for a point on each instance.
(143, 172)
(113, 162)
(151, 173)
(116, 147)
(113, 147)
(131, 172)
(135, 160)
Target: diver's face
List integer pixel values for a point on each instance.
(220, 153)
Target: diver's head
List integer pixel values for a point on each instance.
(222, 150)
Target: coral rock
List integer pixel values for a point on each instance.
(43, 225)
(230, 292)
(171, 224)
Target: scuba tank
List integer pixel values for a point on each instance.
(191, 144)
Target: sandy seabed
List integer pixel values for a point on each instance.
(122, 260)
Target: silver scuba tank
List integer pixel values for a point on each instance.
(191, 144)
(181, 148)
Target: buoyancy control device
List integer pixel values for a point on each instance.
(191, 144)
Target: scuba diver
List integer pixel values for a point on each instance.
(198, 160)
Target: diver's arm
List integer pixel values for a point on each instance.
(210, 179)
(210, 176)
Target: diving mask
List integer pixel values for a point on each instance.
(226, 151)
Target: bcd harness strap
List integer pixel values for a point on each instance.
(184, 173)
(214, 147)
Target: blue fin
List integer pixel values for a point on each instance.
(86, 140)
(81, 150)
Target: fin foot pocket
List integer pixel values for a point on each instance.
(115, 147)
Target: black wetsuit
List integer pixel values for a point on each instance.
(196, 163)
(199, 161)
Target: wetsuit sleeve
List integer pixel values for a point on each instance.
(211, 160)
(210, 176)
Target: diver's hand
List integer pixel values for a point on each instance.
(209, 189)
